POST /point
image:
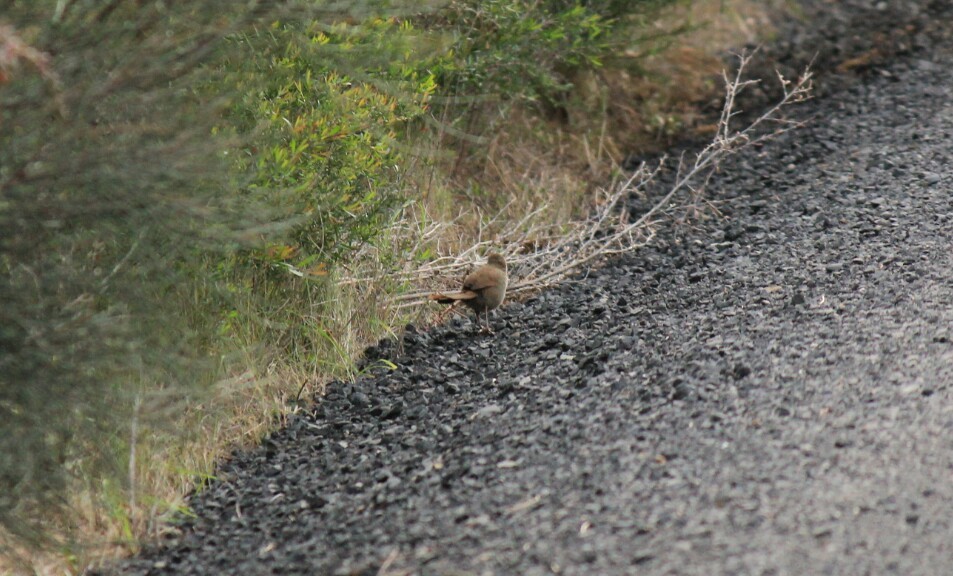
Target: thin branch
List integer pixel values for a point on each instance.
(543, 255)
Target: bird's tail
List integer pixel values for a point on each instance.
(454, 297)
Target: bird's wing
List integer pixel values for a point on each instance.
(487, 278)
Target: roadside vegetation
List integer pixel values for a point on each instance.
(209, 209)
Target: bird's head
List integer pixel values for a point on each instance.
(497, 260)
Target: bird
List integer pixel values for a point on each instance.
(483, 289)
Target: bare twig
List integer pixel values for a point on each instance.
(14, 51)
(545, 255)
(133, 443)
(542, 254)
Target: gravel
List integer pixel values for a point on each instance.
(768, 391)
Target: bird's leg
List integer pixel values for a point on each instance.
(486, 317)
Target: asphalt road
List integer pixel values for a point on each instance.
(768, 391)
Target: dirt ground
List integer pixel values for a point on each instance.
(767, 391)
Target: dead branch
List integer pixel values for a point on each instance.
(558, 252)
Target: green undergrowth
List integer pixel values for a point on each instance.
(355, 115)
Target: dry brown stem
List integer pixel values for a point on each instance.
(542, 255)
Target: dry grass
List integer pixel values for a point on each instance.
(550, 169)
(546, 253)
(526, 196)
(531, 191)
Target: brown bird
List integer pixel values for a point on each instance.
(483, 289)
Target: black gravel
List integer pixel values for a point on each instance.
(767, 391)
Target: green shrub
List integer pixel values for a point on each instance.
(336, 98)
(111, 188)
(324, 152)
(515, 49)
(528, 50)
